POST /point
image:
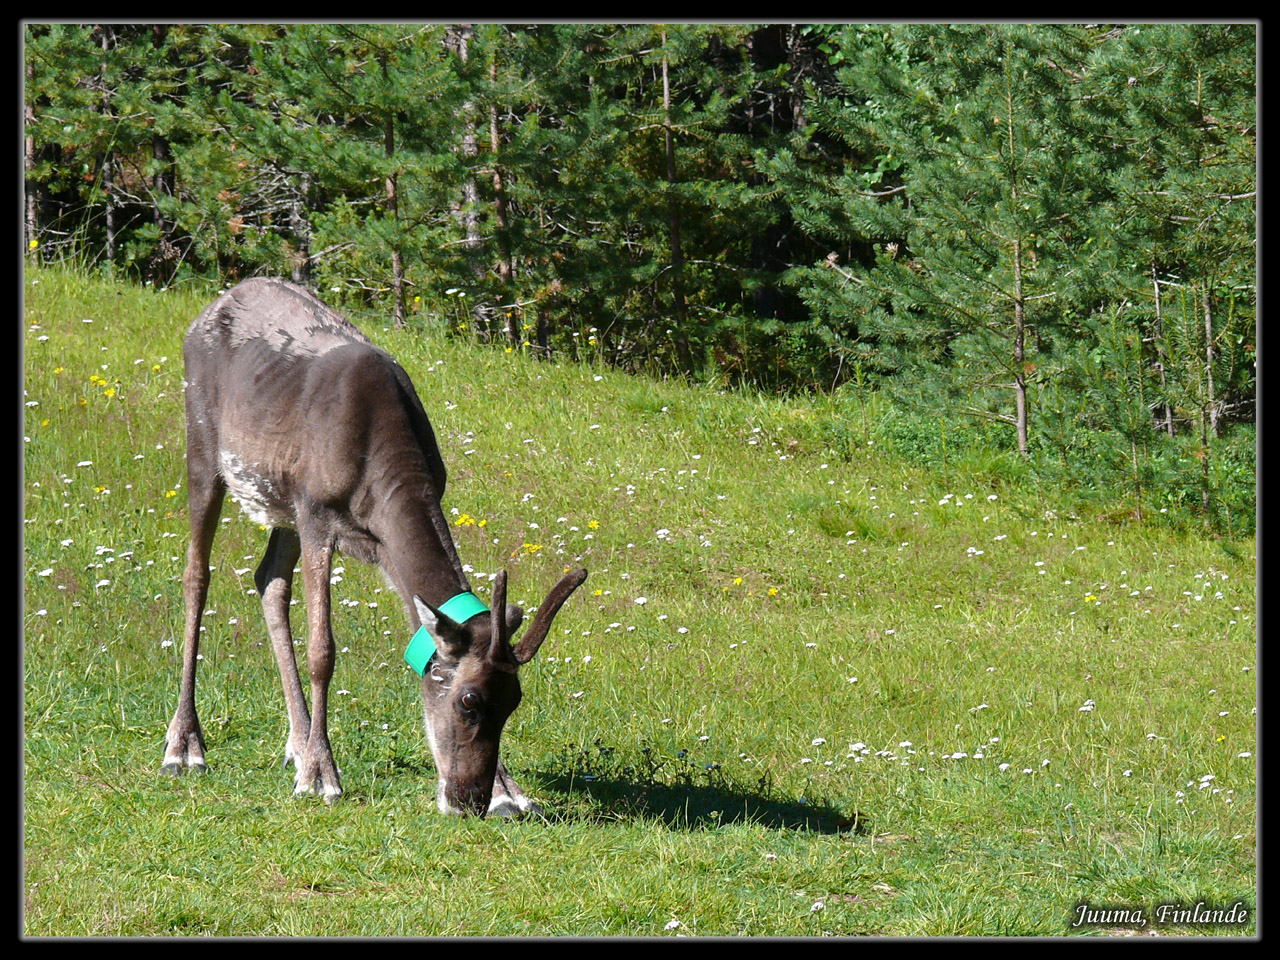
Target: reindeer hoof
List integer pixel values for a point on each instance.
(512, 808)
(183, 749)
(175, 767)
(176, 761)
(318, 786)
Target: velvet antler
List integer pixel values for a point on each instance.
(499, 644)
(537, 632)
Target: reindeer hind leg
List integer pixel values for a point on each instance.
(315, 771)
(274, 579)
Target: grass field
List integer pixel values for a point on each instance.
(800, 694)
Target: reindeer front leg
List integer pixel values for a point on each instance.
(184, 741)
(508, 799)
(316, 771)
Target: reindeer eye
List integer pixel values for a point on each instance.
(470, 702)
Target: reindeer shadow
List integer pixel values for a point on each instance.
(690, 805)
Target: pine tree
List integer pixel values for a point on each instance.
(1183, 103)
(78, 136)
(355, 122)
(977, 208)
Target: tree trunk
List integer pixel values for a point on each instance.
(1208, 358)
(300, 227)
(1167, 426)
(683, 353)
(162, 182)
(393, 213)
(108, 161)
(397, 259)
(1019, 348)
(1019, 301)
(505, 269)
(544, 329)
(1205, 392)
(797, 56)
(29, 163)
(1204, 465)
(467, 211)
(105, 182)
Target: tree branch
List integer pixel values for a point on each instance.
(886, 193)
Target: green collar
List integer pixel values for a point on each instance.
(422, 646)
(463, 607)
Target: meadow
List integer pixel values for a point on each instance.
(803, 692)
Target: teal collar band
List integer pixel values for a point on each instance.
(463, 607)
(422, 647)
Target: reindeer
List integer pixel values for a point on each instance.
(321, 436)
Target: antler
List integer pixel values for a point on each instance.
(499, 643)
(537, 631)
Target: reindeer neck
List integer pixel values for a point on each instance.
(416, 545)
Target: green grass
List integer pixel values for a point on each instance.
(696, 752)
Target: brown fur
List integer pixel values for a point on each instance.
(321, 435)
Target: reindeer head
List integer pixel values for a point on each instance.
(470, 688)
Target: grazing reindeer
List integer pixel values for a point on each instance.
(321, 436)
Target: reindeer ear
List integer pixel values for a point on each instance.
(500, 633)
(515, 617)
(452, 642)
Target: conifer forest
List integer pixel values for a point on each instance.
(1032, 249)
